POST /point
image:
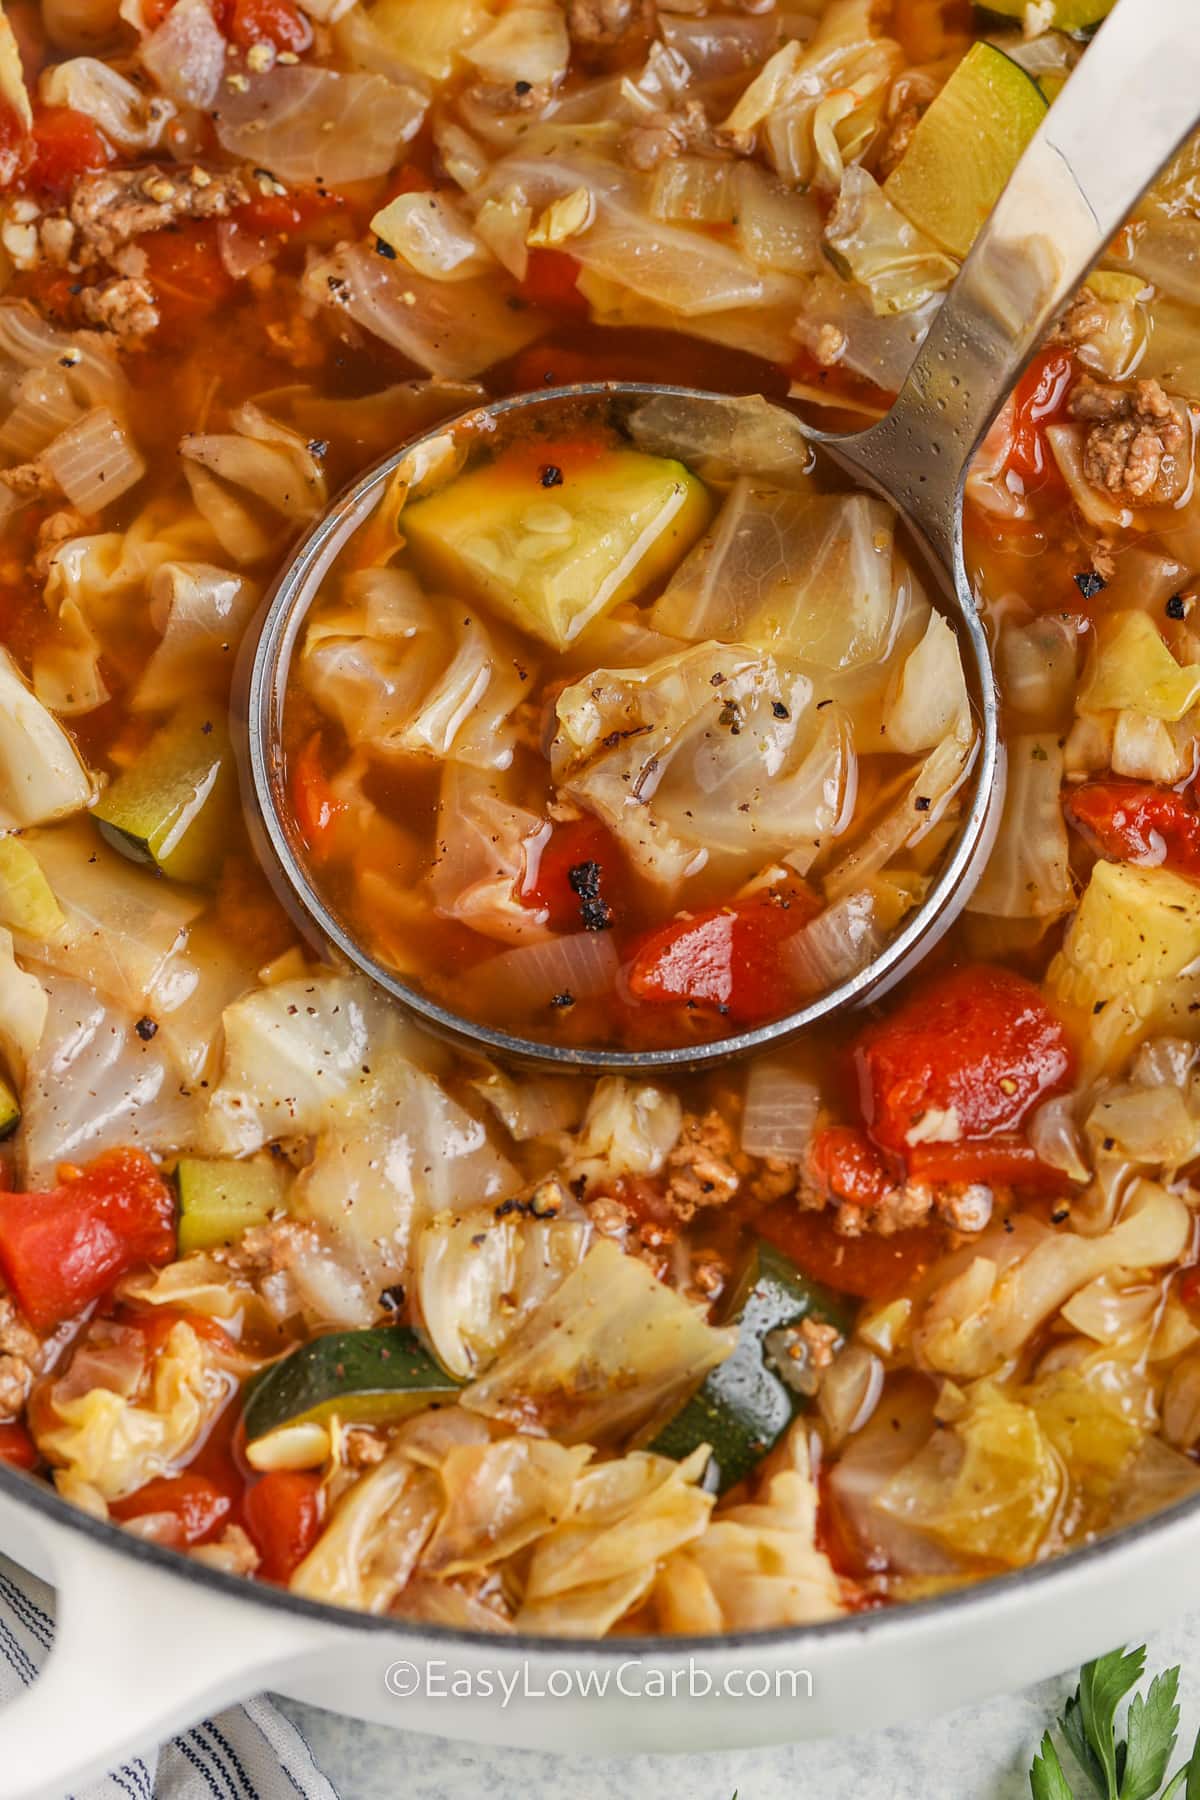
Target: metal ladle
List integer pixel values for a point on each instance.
(1120, 117)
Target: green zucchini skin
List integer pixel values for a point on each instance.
(742, 1408)
(10, 1110)
(381, 1373)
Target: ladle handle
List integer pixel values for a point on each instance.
(1128, 107)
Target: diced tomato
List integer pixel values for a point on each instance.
(299, 209)
(1135, 822)
(65, 145)
(61, 1250)
(979, 1045)
(278, 22)
(199, 1505)
(185, 269)
(17, 1447)
(283, 1517)
(316, 807)
(1189, 1285)
(1040, 399)
(550, 278)
(847, 1163)
(870, 1267)
(576, 874)
(1005, 1161)
(727, 957)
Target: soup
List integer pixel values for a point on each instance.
(643, 759)
(294, 1290)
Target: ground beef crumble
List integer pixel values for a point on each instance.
(20, 1359)
(109, 208)
(1138, 446)
(705, 1167)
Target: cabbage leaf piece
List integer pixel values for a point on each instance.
(710, 757)
(406, 674)
(41, 775)
(609, 1347)
(808, 576)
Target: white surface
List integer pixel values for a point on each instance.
(978, 1753)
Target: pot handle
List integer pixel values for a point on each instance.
(138, 1654)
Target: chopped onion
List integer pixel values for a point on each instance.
(44, 408)
(1056, 1139)
(94, 462)
(849, 1392)
(836, 945)
(129, 117)
(583, 965)
(723, 44)
(464, 160)
(317, 125)
(186, 54)
(449, 328)
(528, 42)
(780, 1110)
(432, 236)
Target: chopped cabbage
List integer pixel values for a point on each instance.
(113, 1444)
(310, 124)
(610, 1347)
(201, 612)
(370, 1546)
(485, 845)
(873, 241)
(757, 1565)
(628, 1130)
(23, 1007)
(479, 1274)
(41, 774)
(1131, 667)
(1028, 874)
(500, 1497)
(686, 790)
(805, 576)
(929, 701)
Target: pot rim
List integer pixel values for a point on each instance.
(989, 1593)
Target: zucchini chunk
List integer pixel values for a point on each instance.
(743, 1407)
(10, 1110)
(27, 902)
(367, 1376)
(966, 146)
(174, 807)
(552, 555)
(221, 1199)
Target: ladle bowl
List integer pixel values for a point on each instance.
(1066, 198)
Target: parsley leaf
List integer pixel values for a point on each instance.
(1046, 1778)
(1103, 1684)
(1152, 1727)
(1072, 1728)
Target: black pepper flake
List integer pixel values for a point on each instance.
(1176, 607)
(206, 728)
(1110, 1143)
(1009, 1226)
(522, 87)
(822, 704)
(1060, 1215)
(594, 910)
(563, 999)
(780, 710)
(385, 250)
(922, 802)
(550, 475)
(731, 715)
(1099, 1006)
(146, 1029)
(318, 447)
(392, 1298)
(1090, 584)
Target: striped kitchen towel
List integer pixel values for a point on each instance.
(249, 1752)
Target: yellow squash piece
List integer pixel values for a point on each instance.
(27, 902)
(175, 806)
(1068, 15)
(553, 555)
(965, 148)
(1120, 974)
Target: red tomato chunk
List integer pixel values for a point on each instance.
(978, 1046)
(1133, 821)
(61, 1250)
(283, 1516)
(727, 957)
(198, 1505)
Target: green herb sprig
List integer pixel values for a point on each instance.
(1130, 1768)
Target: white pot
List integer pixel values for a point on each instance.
(147, 1643)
